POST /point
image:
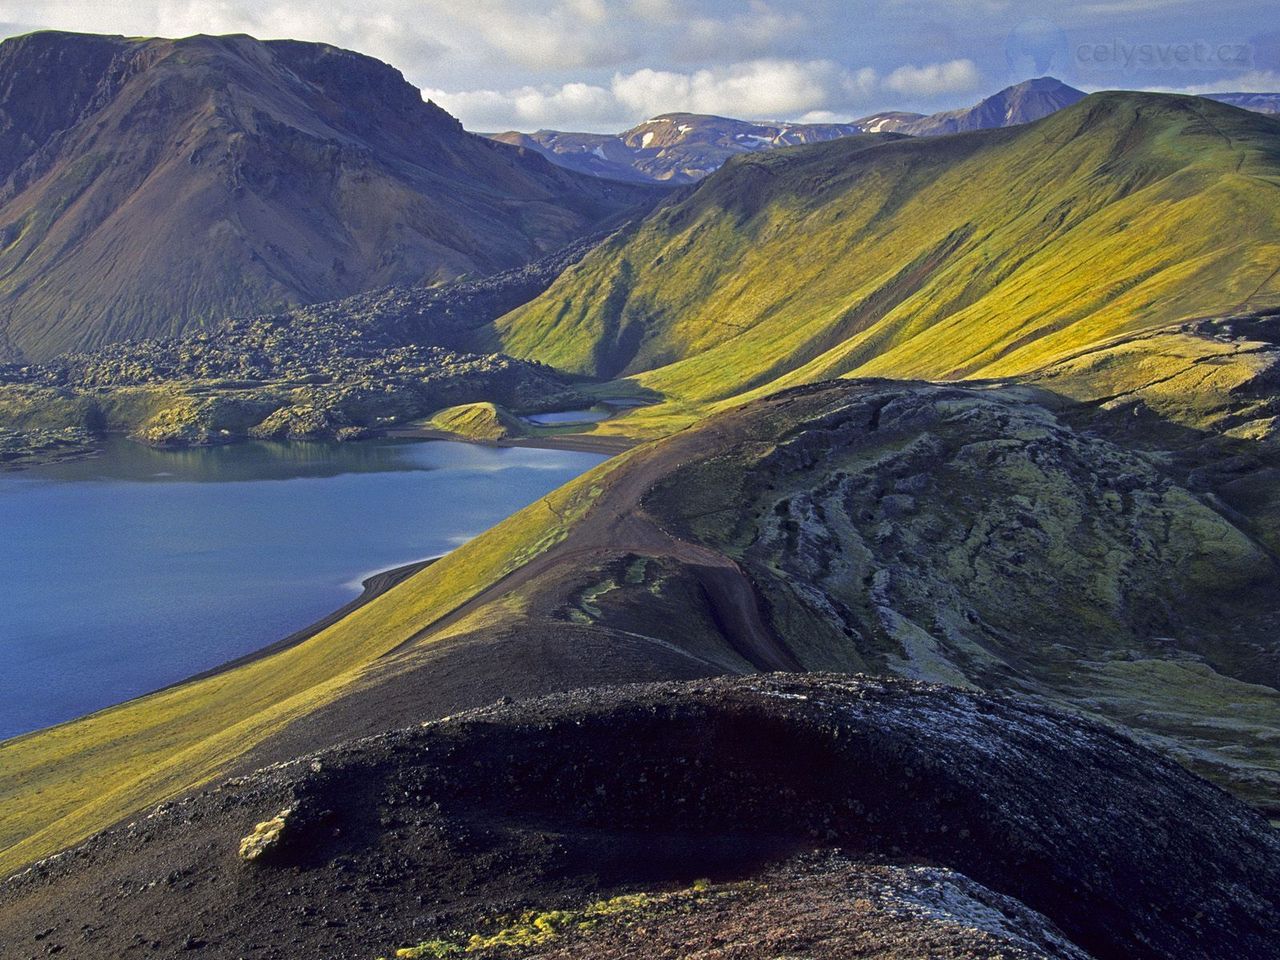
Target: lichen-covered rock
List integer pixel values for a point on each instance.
(370, 362)
(297, 423)
(478, 421)
(200, 420)
(266, 837)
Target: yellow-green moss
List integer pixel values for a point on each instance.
(979, 255)
(534, 928)
(478, 421)
(265, 836)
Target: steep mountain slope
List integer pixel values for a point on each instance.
(1022, 103)
(148, 186)
(750, 818)
(987, 253)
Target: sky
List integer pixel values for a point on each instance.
(604, 65)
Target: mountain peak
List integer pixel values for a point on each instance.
(1040, 83)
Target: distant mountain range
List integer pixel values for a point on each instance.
(1257, 102)
(672, 147)
(685, 147)
(150, 186)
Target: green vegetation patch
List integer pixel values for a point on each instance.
(478, 421)
(989, 254)
(535, 928)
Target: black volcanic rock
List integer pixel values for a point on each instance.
(1086, 844)
(149, 186)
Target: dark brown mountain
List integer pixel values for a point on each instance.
(148, 186)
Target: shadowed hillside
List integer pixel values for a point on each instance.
(149, 186)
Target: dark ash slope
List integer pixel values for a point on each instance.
(1081, 841)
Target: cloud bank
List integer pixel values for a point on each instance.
(605, 64)
(754, 90)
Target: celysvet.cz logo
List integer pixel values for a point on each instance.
(1187, 55)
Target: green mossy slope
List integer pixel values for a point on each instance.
(981, 254)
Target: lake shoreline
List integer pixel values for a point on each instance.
(374, 586)
(573, 443)
(275, 633)
(379, 582)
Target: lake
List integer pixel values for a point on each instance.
(141, 567)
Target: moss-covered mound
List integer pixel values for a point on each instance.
(478, 421)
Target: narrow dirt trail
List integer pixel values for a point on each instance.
(618, 524)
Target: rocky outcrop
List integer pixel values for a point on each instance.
(478, 421)
(334, 370)
(961, 818)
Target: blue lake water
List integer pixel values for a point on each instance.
(127, 572)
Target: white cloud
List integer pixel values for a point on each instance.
(754, 89)
(571, 106)
(568, 34)
(663, 11)
(389, 32)
(759, 31)
(560, 63)
(934, 79)
(772, 89)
